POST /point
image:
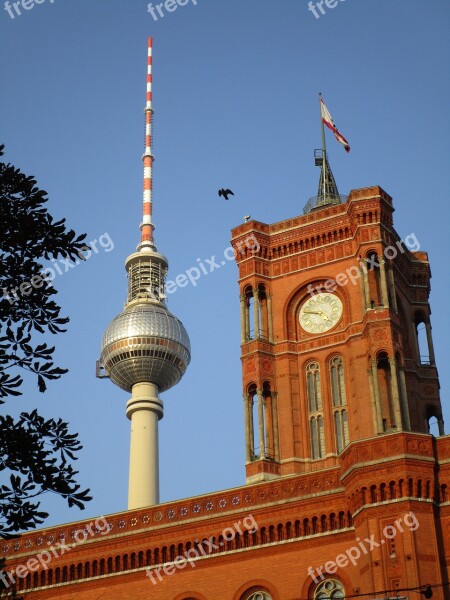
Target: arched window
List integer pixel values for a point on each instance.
(268, 412)
(252, 408)
(373, 274)
(341, 429)
(337, 382)
(422, 343)
(339, 401)
(314, 395)
(433, 421)
(306, 527)
(317, 437)
(424, 340)
(328, 590)
(261, 421)
(385, 391)
(249, 323)
(314, 389)
(259, 595)
(263, 313)
(432, 424)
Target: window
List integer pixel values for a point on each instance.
(385, 391)
(268, 416)
(317, 437)
(424, 343)
(263, 313)
(249, 314)
(373, 274)
(339, 402)
(314, 389)
(329, 589)
(314, 395)
(341, 428)
(252, 409)
(259, 596)
(337, 382)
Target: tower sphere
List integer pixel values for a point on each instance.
(145, 343)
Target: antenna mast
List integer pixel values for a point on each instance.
(147, 226)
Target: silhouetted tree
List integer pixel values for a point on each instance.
(34, 452)
(7, 588)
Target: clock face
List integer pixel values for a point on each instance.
(320, 313)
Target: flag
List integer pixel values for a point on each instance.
(328, 121)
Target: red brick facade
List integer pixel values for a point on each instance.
(344, 483)
(375, 337)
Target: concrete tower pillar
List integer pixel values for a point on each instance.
(144, 409)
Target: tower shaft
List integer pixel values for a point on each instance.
(144, 409)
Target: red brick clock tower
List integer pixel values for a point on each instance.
(332, 303)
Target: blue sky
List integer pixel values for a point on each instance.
(235, 98)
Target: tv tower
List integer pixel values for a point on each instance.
(145, 349)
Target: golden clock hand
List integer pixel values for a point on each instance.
(316, 312)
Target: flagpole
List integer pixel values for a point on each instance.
(324, 147)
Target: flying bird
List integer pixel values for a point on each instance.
(225, 193)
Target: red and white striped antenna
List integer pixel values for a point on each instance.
(147, 226)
